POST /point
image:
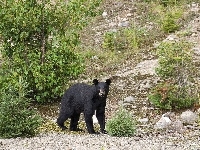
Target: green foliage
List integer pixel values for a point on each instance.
(109, 41)
(175, 59)
(126, 39)
(122, 124)
(168, 96)
(39, 39)
(169, 24)
(170, 18)
(165, 3)
(177, 71)
(169, 2)
(17, 118)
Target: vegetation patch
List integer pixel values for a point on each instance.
(17, 118)
(122, 124)
(39, 41)
(177, 89)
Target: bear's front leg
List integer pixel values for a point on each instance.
(89, 122)
(100, 114)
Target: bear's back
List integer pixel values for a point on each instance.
(80, 92)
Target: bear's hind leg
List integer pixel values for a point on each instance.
(61, 119)
(74, 122)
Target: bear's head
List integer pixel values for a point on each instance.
(102, 87)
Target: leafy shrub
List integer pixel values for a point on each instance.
(169, 2)
(126, 39)
(17, 118)
(39, 39)
(169, 19)
(177, 71)
(109, 41)
(122, 124)
(167, 96)
(175, 60)
(169, 24)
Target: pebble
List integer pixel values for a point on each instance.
(143, 120)
(129, 99)
(104, 14)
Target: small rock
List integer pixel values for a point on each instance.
(129, 14)
(172, 37)
(144, 108)
(123, 24)
(188, 117)
(194, 4)
(196, 50)
(143, 120)
(194, 35)
(134, 107)
(120, 103)
(136, 138)
(104, 14)
(156, 44)
(163, 123)
(198, 111)
(145, 84)
(129, 99)
(95, 57)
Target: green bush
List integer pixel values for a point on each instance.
(169, 24)
(122, 124)
(17, 118)
(168, 96)
(169, 19)
(109, 41)
(176, 69)
(124, 40)
(39, 40)
(169, 2)
(175, 60)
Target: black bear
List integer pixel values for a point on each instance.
(84, 98)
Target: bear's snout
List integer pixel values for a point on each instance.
(101, 93)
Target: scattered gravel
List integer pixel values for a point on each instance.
(57, 141)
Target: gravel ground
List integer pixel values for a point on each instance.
(57, 141)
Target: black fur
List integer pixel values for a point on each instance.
(84, 98)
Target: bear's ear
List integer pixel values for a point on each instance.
(95, 81)
(108, 81)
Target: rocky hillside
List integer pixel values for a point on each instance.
(133, 75)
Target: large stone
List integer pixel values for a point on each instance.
(188, 117)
